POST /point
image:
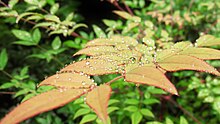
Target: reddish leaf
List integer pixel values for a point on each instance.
(92, 67)
(98, 99)
(68, 80)
(184, 62)
(208, 40)
(202, 53)
(114, 40)
(98, 50)
(151, 76)
(41, 103)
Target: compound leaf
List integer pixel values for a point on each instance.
(184, 62)
(68, 80)
(41, 103)
(98, 99)
(151, 76)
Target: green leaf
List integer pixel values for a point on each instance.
(36, 35)
(22, 35)
(54, 8)
(131, 101)
(25, 43)
(81, 112)
(168, 121)
(183, 120)
(7, 85)
(28, 97)
(112, 108)
(72, 44)
(136, 117)
(3, 59)
(52, 18)
(150, 101)
(113, 101)
(11, 3)
(131, 108)
(56, 43)
(99, 32)
(147, 112)
(88, 118)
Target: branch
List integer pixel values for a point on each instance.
(113, 80)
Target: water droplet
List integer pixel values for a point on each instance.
(81, 73)
(69, 79)
(83, 83)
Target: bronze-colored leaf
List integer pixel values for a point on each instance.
(68, 80)
(41, 103)
(114, 40)
(184, 62)
(97, 50)
(151, 76)
(98, 99)
(202, 53)
(207, 40)
(92, 67)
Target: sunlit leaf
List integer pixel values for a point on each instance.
(88, 118)
(98, 99)
(52, 18)
(147, 112)
(68, 80)
(98, 50)
(56, 43)
(11, 3)
(127, 16)
(202, 53)
(81, 112)
(92, 67)
(54, 8)
(36, 35)
(136, 117)
(99, 32)
(183, 120)
(151, 76)
(22, 35)
(114, 40)
(207, 40)
(183, 62)
(41, 103)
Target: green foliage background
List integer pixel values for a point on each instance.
(37, 39)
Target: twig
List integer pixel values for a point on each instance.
(6, 73)
(115, 3)
(184, 110)
(128, 9)
(113, 80)
(7, 93)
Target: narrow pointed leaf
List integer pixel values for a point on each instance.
(98, 50)
(92, 67)
(207, 40)
(68, 80)
(151, 76)
(41, 103)
(184, 62)
(202, 53)
(98, 99)
(114, 40)
(3, 58)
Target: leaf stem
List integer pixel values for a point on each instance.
(6, 73)
(113, 80)
(8, 93)
(184, 110)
